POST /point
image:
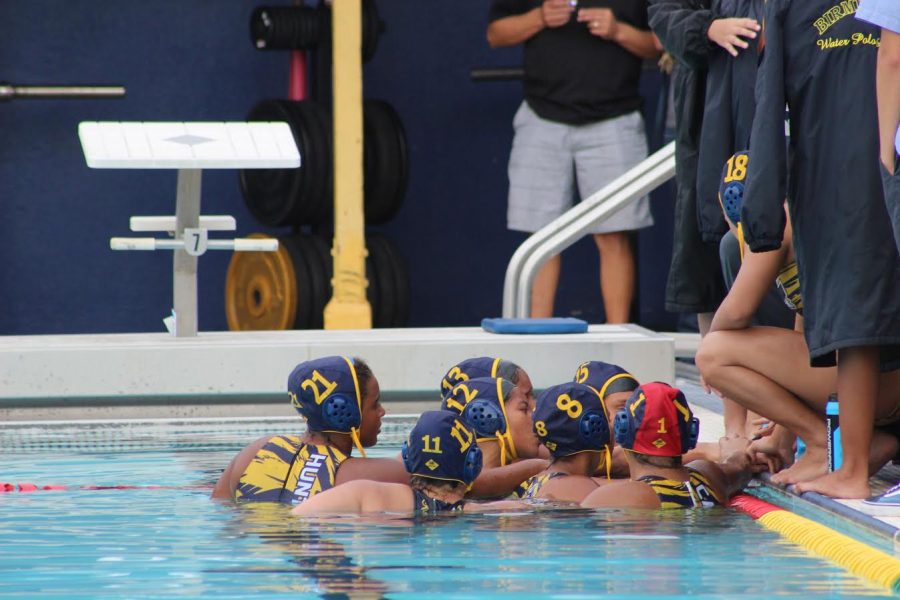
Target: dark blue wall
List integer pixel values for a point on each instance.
(193, 61)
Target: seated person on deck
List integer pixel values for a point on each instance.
(767, 370)
(341, 402)
(656, 427)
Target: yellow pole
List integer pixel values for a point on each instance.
(348, 307)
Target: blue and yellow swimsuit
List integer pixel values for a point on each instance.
(289, 471)
(534, 484)
(694, 493)
(788, 281)
(426, 505)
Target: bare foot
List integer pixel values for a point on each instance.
(839, 484)
(884, 447)
(812, 465)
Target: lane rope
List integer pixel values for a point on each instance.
(856, 557)
(30, 487)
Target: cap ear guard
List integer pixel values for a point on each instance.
(484, 417)
(594, 428)
(341, 413)
(732, 200)
(404, 454)
(689, 434)
(624, 428)
(472, 464)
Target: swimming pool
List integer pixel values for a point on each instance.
(172, 541)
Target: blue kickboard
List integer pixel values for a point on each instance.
(552, 325)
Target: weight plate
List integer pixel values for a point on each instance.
(319, 280)
(386, 300)
(270, 193)
(260, 290)
(401, 284)
(303, 277)
(386, 161)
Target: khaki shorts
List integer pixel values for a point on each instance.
(553, 163)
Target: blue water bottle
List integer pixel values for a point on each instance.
(801, 449)
(833, 427)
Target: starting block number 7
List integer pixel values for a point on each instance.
(195, 240)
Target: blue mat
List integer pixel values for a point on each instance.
(552, 325)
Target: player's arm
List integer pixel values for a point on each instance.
(231, 476)
(728, 476)
(754, 280)
(501, 481)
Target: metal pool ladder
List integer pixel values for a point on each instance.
(568, 228)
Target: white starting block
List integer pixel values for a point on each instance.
(188, 147)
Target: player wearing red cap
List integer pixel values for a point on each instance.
(656, 427)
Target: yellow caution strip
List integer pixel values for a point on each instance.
(856, 557)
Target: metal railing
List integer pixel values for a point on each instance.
(568, 228)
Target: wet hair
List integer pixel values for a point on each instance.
(363, 374)
(663, 462)
(417, 482)
(509, 371)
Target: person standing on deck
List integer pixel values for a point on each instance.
(849, 267)
(886, 14)
(579, 127)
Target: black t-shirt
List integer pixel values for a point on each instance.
(574, 77)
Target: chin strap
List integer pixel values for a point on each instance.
(502, 439)
(354, 435)
(607, 458)
(740, 237)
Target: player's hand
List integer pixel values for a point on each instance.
(762, 428)
(556, 13)
(600, 22)
(730, 33)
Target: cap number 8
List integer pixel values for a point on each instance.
(571, 407)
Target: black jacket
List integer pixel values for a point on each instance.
(695, 282)
(820, 60)
(728, 115)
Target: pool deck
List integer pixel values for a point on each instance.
(885, 524)
(225, 373)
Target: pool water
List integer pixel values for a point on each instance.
(172, 541)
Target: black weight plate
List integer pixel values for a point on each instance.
(383, 309)
(314, 195)
(385, 161)
(401, 284)
(318, 279)
(372, 28)
(270, 193)
(305, 298)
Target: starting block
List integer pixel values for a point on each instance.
(189, 148)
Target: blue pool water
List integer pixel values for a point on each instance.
(165, 543)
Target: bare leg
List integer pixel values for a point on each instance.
(858, 382)
(766, 370)
(616, 274)
(888, 85)
(543, 293)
